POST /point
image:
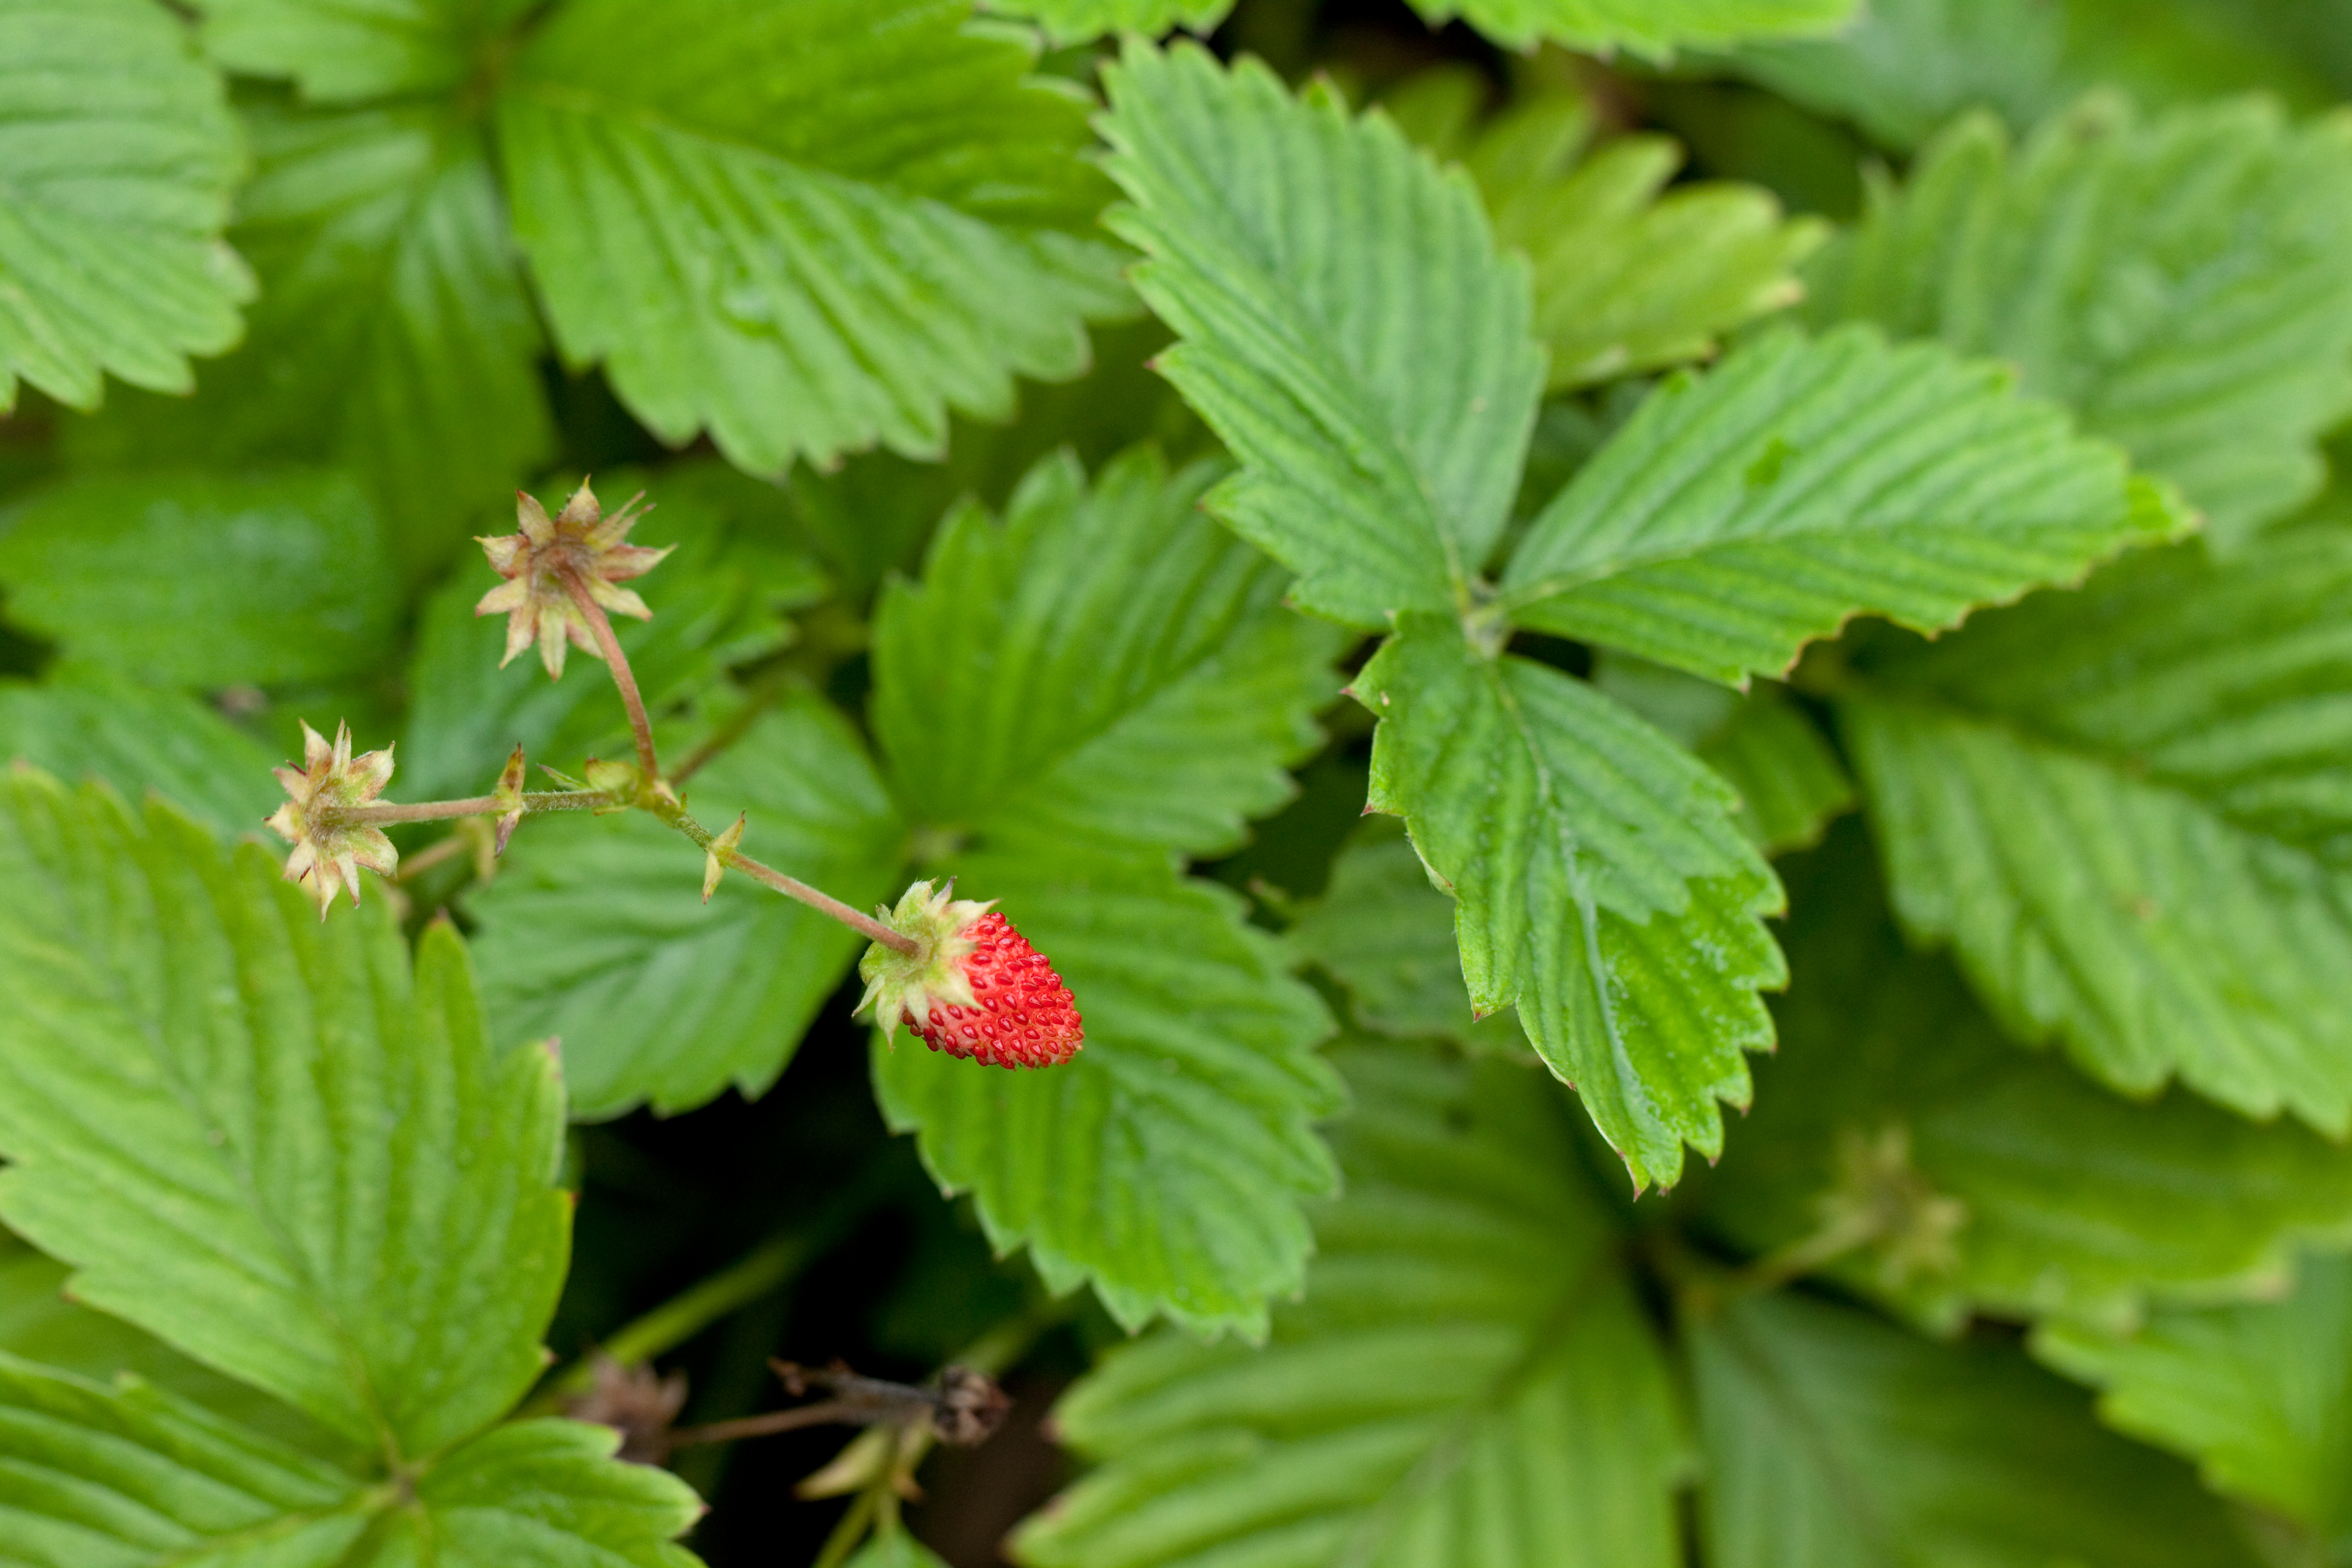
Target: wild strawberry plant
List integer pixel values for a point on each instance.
(1359, 625)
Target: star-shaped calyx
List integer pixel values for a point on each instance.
(579, 544)
(328, 853)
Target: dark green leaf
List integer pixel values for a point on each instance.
(1470, 1379)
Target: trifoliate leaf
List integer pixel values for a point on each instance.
(1348, 327)
(83, 721)
(393, 334)
(1168, 1162)
(1629, 275)
(1790, 783)
(1105, 666)
(1904, 66)
(2178, 282)
(198, 579)
(595, 931)
(117, 154)
(1740, 514)
(2129, 813)
(298, 1136)
(1602, 886)
(1074, 21)
(2257, 1393)
(1967, 1175)
(1386, 934)
(132, 1476)
(336, 51)
(714, 598)
(808, 227)
(1652, 27)
(1469, 1381)
(1836, 1441)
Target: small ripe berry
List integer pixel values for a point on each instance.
(973, 988)
(1024, 1016)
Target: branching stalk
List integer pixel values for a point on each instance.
(599, 624)
(385, 814)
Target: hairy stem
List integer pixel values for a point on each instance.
(385, 813)
(600, 625)
(791, 887)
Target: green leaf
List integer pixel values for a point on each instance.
(198, 579)
(1652, 27)
(117, 154)
(595, 933)
(1470, 1379)
(1892, 1093)
(1629, 275)
(2128, 812)
(1741, 513)
(134, 1477)
(393, 335)
(1838, 1442)
(297, 1133)
(1167, 1161)
(1386, 934)
(805, 228)
(1790, 783)
(1076, 21)
(2178, 282)
(2257, 1395)
(1600, 885)
(1906, 67)
(87, 722)
(1348, 329)
(1106, 666)
(715, 601)
(896, 1549)
(337, 50)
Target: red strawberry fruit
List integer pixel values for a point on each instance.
(974, 986)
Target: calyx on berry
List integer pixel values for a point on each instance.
(975, 987)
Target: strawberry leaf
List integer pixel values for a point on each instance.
(1652, 27)
(2254, 1392)
(1348, 327)
(1741, 513)
(2126, 810)
(336, 51)
(295, 1128)
(2073, 1204)
(191, 578)
(1835, 1440)
(1600, 885)
(803, 228)
(595, 931)
(86, 722)
(118, 155)
(1167, 1161)
(2178, 281)
(1076, 21)
(1469, 1367)
(1106, 666)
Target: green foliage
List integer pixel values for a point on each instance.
(2126, 810)
(2256, 1393)
(1629, 275)
(1073, 21)
(1740, 515)
(117, 156)
(2177, 280)
(1891, 1093)
(1654, 27)
(1835, 1440)
(89, 722)
(298, 1132)
(336, 51)
(718, 204)
(196, 579)
(1600, 884)
(1379, 411)
(1469, 1379)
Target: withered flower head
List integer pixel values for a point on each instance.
(637, 1401)
(579, 544)
(328, 853)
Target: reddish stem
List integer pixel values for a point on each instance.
(600, 625)
(823, 904)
